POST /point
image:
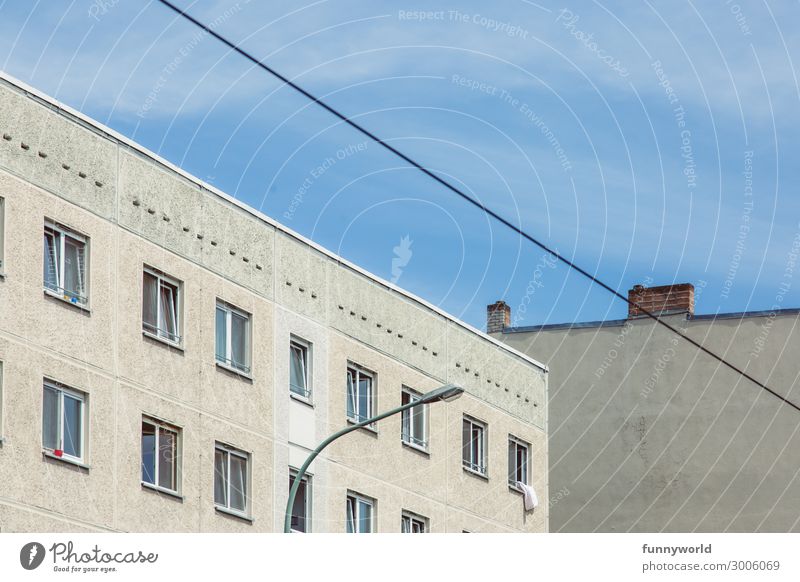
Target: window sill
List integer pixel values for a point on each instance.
(515, 489)
(162, 340)
(417, 448)
(157, 489)
(301, 399)
(49, 455)
(370, 427)
(483, 476)
(235, 371)
(63, 299)
(231, 513)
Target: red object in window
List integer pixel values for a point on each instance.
(58, 452)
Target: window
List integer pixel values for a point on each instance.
(360, 394)
(301, 510)
(160, 455)
(2, 232)
(474, 445)
(413, 523)
(233, 338)
(359, 513)
(161, 306)
(65, 255)
(63, 422)
(414, 421)
(231, 477)
(517, 461)
(299, 368)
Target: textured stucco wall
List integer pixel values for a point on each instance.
(137, 211)
(648, 434)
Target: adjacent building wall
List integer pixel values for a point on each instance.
(649, 434)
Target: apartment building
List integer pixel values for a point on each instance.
(649, 434)
(169, 357)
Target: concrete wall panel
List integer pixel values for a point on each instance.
(37, 143)
(380, 318)
(301, 278)
(487, 372)
(160, 206)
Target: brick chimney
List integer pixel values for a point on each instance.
(498, 316)
(664, 300)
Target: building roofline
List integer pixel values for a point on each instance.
(620, 322)
(116, 136)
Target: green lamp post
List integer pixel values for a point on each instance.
(444, 393)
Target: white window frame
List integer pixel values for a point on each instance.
(410, 520)
(159, 425)
(65, 392)
(478, 466)
(357, 372)
(308, 501)
(409, 437)
(233, 451)
(2, 235)
(164, 335)
(305, 348)
(518, 444)
(60, 234)
(228, 363)
(356, 499)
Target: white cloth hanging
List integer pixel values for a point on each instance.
(529, 496)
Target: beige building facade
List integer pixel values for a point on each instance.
(168, 355)
(649, 434)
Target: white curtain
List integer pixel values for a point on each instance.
(238, 477)
(351, 394)
(239, 341)
(150, 302)
(220, 478)
(364, 517)
(297, 379)
(465, 442)
(364, 397)
(73, 275)
(221, 336)
(51, 260)
(351, 515)
(418, 422)
(167, 321)
(513, 475)
(72, 426)
(50, 419)
(167, 470)
(148, 453)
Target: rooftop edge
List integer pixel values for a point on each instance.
(109, 133)
(620, 322)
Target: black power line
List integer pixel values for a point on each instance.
(470, 199)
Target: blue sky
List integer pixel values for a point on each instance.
(645, 141)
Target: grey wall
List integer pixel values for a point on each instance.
(648, 434)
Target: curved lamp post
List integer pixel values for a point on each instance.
(444, 393)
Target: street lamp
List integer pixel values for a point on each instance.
(445, 393)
